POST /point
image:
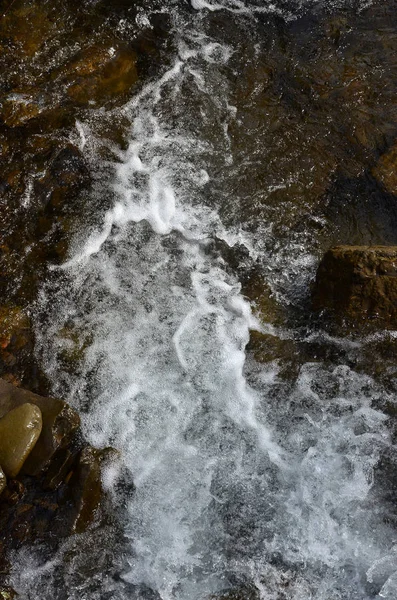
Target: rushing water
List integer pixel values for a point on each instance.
(240, 475)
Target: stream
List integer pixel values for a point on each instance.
(248, 474)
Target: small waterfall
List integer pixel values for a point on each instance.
(238, 475)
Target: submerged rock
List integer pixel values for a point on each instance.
(100, 74)
(18, 108)
(244, 592)
(19, 431)
(60, 423)
(57, 491)
(358, 283)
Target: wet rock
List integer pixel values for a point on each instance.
(266, 348)
(386, 170)
(244, 592)
(3, 480)
(16, 342)
(13, 493)
(65, 177)
(61, 465)
(74, 344)
(7, 593)
(14, 326)
(100, 74)
(358, 283)
(60, 423)
(85, 490)
(18, 108)
(265, 304)
(19, 431)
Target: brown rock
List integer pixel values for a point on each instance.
(268, 348)
(60, 423)
(19, 431)
(101, 73)
(16, 341)
(85, 489)
(59, 468)
(386, 170)
(358, 283)
(18, 108)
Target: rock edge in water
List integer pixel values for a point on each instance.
(50, 479)
(358, 283)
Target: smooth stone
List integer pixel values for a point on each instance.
(60, 422)
(19, 431)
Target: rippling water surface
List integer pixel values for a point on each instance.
(244, 474)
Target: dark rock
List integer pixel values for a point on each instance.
(16, 342)
(100, 74)
(358, 283)
(3, 480)
(85, 490)
(66, 175)
(18, 108)
(13, 493)
(59, 468)
(60, 423)
(267, 348)
(257, 290)
(19, 431)
(386, 170)
(244, 592)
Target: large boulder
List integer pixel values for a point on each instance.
(19, 431)
(358, 283)
(60, 423)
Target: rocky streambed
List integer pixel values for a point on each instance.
(50, 479)
(197, 251)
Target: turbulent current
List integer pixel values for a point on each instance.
(242, 477)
